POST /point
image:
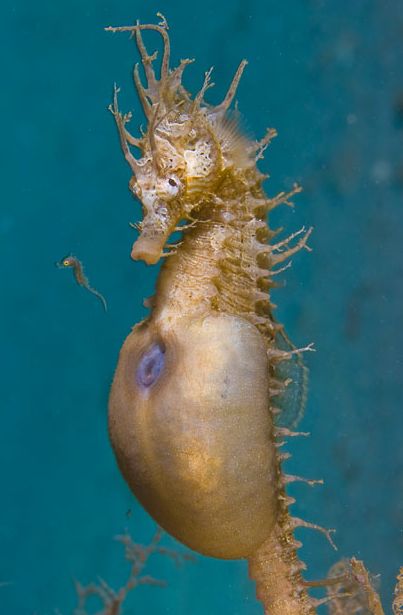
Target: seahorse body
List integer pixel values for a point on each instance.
(193, 398)
(193, 445)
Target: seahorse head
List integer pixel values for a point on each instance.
(187, 150)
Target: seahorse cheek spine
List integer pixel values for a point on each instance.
(197, 447)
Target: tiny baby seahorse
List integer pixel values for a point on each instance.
(72, 262)
(195, 405)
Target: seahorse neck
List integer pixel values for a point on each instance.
(221, 264)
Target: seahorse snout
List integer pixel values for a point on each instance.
(147, 249)
(158, 223)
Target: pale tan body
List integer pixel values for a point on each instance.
(199, 449)
(196, 449)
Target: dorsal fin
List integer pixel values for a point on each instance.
(292, 400)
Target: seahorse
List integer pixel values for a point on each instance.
(195, 413)
(72, 262)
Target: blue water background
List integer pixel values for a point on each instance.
(328, 75)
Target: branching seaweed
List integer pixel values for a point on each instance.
(138, 555)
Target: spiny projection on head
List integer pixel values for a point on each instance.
(209, 385)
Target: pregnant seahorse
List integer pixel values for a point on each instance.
(195, 407)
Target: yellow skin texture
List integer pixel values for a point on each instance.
(196, 447)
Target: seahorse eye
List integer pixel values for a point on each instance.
(171, 186)
(150, 366)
